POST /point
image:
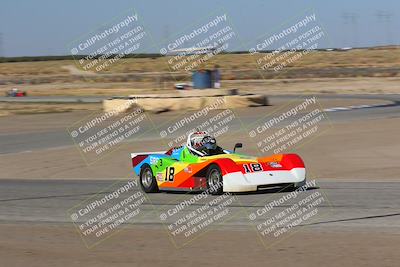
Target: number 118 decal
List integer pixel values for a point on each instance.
(253, 167)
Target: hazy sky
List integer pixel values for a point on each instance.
(47, 27)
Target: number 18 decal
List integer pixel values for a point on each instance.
(253, 167)
(169, 174)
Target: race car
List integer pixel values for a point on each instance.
(15, 93)
(201, 165)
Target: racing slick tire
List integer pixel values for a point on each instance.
(147, 180)
(214, 180)
(294, 187)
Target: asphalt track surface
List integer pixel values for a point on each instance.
(348, 204)
(29, 141)
(356, 204)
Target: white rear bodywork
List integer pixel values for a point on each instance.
(239, 182)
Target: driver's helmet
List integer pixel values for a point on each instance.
(203, 142)
(208, 144)
(196, 139)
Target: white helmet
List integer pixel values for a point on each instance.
(201, 143)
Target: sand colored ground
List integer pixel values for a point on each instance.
(350, 149)
(7, 109)
(60, 245)
(367, 149)
(356, 85)
(360, 85)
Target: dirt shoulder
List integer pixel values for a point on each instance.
(367, 149)
(7, 109)
(60, 245)
(351, 85)
(357, 85)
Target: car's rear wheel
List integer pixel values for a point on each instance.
(214, 180)
(147, 180)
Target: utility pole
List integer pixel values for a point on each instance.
(385, 18)
(1, 45)
(351, 19)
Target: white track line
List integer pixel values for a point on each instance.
(354, 107)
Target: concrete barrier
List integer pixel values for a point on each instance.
(191, 93)
(190, 100)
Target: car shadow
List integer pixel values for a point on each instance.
(272, 191)
(258, 192)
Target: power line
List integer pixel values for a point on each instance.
(350, 18)
(385, 18)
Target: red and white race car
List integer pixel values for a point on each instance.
(202, 165)
(15, 93)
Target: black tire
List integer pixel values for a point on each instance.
(293, 187)
(147, 180)
(289, 188)
(214, 180)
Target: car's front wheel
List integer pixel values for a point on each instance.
(214, 180)
(147, 180)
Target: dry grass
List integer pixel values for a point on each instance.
(384, 57)
(239, 71)
(34, 68)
